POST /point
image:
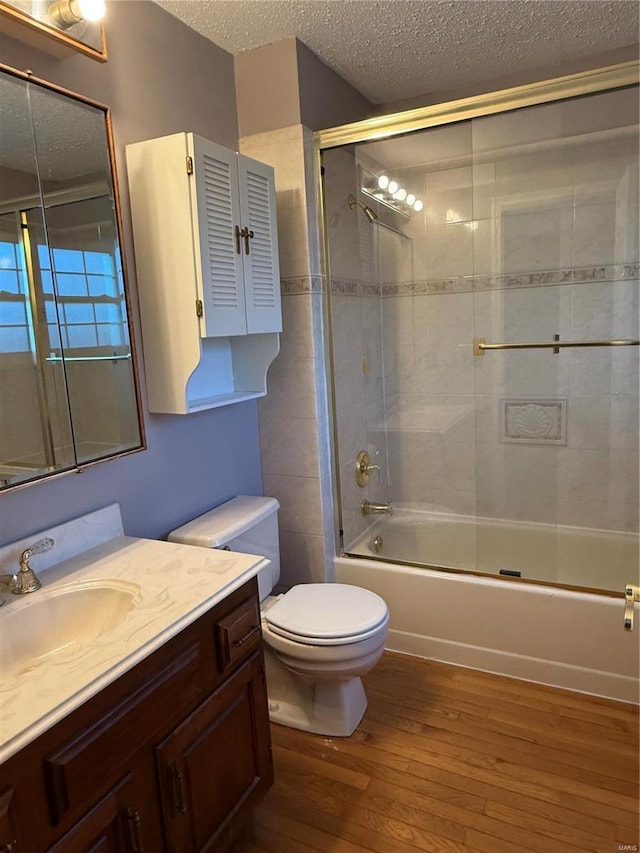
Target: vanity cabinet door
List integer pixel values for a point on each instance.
(114, 825)
(216, 764)
(9, 833)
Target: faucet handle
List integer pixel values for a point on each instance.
(364, 467)
(39, 547)
(26, 580)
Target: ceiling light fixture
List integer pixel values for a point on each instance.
(65, 13)
(388, 192)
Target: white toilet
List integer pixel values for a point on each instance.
(319, 637)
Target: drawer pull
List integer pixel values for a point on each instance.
(134, 824)
(177, 787)
(254, 630)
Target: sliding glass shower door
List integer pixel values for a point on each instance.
(484, 310)
(555, 199)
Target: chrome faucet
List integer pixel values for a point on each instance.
(25, 579)
(370, 507)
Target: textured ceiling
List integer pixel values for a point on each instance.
(395, 49)
(70, 137)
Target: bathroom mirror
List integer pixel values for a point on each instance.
(68, 386)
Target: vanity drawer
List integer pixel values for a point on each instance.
(238, 633)
(88, 761)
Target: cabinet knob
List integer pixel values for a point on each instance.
(11, 847)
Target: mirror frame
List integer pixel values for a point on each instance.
(22, 26)
(28, 77)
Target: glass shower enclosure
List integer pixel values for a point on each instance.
(484, 331)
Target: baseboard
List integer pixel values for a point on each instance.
(554, 674)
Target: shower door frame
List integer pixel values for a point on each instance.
(593, 81)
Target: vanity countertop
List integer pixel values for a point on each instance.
(170, 585)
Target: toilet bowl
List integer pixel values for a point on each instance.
(319, 639)
(328, 636)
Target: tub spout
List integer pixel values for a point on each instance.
(370, 507)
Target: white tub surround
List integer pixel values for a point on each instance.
(160, 588)
(552, 636)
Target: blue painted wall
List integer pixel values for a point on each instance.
(161, 78)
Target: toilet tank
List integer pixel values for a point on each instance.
(246, 524)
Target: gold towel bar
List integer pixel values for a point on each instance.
(480, 346)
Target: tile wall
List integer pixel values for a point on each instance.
(531, 231)
(293, 417)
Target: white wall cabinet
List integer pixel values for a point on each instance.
(205, 234)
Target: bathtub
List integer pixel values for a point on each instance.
(560, 637)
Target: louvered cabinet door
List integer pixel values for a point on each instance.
(261, 266)
(218, 214)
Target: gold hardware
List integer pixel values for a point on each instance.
(480, 346)
(364, 469)
(176, 778)
(199, 308)
(134, 824)
(372, 508)
(244, 234)
(631, 595)
(189, 165)
(254, 630)
(530, 94)
(25, 580)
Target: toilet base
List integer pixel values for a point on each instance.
(323, 706)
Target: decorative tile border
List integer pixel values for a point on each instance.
(301, 284)
(462, 284)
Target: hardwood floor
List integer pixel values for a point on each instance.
(451, 760)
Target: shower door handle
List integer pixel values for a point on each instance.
(631, 595)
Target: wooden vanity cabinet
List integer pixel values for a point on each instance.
(170, 757)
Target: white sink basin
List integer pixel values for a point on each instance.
(62, 620)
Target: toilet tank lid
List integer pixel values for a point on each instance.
(220, 525)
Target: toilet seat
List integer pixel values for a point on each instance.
(327, 614)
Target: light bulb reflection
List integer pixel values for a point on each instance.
(91, 10)
(393, 187)
(383, 182)
(417, 206)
